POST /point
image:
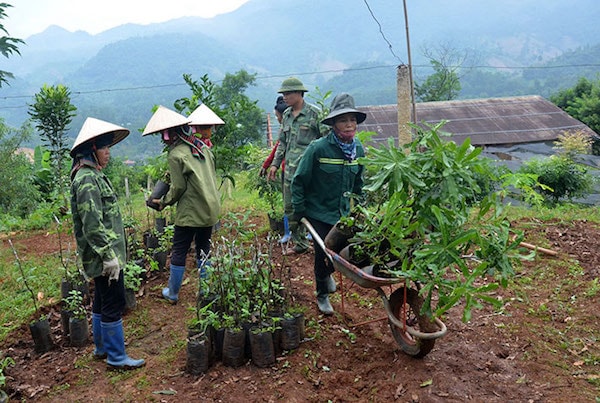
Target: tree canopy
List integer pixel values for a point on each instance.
(53, 113)
(581, 102)
(8, 44)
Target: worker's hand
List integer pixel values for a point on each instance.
(294, 221)
(111, 269)
(159, 204)
(272, 173)
(263, 172)
(154, 204)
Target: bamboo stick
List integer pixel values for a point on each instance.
(538, 248)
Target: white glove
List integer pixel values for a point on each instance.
(111, 269)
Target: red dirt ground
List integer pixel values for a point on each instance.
(496, 357)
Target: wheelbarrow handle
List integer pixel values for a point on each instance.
(316, 237)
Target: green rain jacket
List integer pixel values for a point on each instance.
(97, 220)
(193, 187)
(322, 179)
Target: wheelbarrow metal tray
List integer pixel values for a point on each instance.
(358, 275)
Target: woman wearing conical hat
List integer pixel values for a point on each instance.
(193, 189)
(98, 228)
(202, 122)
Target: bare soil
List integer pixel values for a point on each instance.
(517, 355)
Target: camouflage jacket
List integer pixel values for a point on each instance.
(295, 135)
(97, 220)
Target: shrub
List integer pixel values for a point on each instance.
(562, 176)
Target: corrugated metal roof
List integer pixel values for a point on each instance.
(491, 121)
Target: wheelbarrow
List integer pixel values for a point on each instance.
(414, 332)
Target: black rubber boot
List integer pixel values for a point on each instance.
(323, 296)
(331, 285)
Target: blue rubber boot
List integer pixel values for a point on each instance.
(286, 231)
(99, 351)
(114, 343)
(171, 292)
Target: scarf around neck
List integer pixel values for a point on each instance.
(196, 145)
(83, 160)
(349, 149)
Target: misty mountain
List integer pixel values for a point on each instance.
(338, 45)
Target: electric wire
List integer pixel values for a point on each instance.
(391, 49)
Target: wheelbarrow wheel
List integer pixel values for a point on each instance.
(410, 308)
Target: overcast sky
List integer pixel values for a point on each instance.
(28, 17)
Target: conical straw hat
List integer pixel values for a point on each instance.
(164, 118)
(204, 116)
(93, 128)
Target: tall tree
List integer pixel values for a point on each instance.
(8, 45)
(243, 118)
(203, 92)
(18, 194)
(581, 102)
(444, 83)
(52, 113)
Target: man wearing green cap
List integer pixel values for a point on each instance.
(300, 126)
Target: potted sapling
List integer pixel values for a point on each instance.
(72, 280)
(132, 279)
(270, 193)
(39, 327)
(199, 351)
(78, 323)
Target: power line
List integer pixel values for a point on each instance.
(381, 32)
(155, 86)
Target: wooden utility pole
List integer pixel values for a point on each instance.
(410, 72)
(404, 105)
(269, 132)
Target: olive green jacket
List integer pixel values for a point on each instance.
(193, 187)
(323, 180)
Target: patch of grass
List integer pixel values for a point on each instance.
(83, 361)
(117, 376)
(169, 354)
(85, 378)
(57, 389)
(563, 213)
(43, 276)
(314, 328)
(137, 321)
(592, 288)
(142, 383)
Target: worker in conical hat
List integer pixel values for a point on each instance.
(100, 236)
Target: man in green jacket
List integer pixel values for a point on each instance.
(193, 188)
(299, 127)
(326, 176)
(100, 237)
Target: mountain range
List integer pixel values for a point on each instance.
(338, 45)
